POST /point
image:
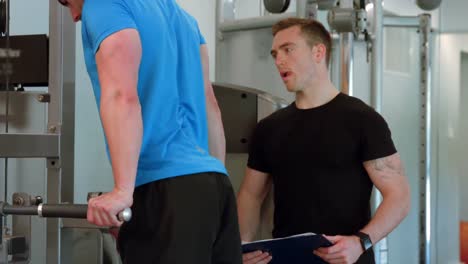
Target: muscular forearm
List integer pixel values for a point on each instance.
(122, 122)
(249, 215)
(389, 214)
(216, 139)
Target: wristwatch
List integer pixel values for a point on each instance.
(366, 242)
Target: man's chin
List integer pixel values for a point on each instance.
(290, 89)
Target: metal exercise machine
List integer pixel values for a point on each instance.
(16, 248)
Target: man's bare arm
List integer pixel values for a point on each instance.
(389, 177)
(118, 61)
(254, 188)
(216, 139)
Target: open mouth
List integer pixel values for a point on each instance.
(285, 74)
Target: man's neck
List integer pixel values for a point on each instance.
(316, 95)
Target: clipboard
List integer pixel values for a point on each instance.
(297, 249)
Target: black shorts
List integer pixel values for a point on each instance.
(189, 219)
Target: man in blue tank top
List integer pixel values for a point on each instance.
(148, 64)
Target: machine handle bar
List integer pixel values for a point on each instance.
(57, 210)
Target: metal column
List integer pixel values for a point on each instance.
(346, 55)
(7, 105)
(425, 164)
(377, 57)
(61, 113)
(381, 249)
(423, 23)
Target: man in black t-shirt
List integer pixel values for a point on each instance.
(323, 154)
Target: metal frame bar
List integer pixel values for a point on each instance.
(60, 121)
(403, 21)
(58, 144)
(251, 23)
(346, 56)
(61, 112)
(426, 134)
(423, 24)
(29, 145)
(7, 107)
(21, 227)
(346, 63)
(377, 57)
(376, 102)
(304, 9)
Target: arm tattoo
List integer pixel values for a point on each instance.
(387, 166)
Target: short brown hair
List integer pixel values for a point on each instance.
(313, 31)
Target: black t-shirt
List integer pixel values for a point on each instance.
(315, 157)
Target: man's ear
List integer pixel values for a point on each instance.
(320, 53)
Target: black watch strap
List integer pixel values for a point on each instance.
(366, 242)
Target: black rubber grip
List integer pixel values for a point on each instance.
(19, 210)
(64, 210)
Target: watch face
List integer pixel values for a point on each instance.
(366, 242)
